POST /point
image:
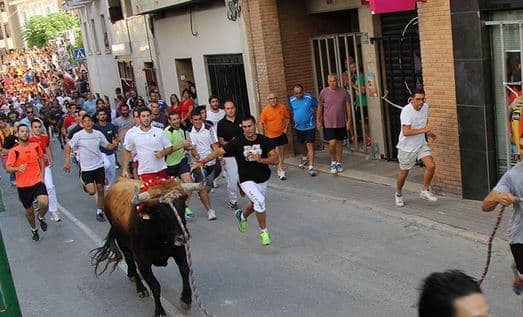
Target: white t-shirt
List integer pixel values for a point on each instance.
(87, 146)
(203, 140)
(416, 120)
(145, 143)
(214, 117)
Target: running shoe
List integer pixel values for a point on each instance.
(100, 217)
(303, 162)
(281, 175)
(242, 223)
(334, 170)
(428, 195)
(233, 206)
(265, 238)
(211, 214)
(34, 235)
(43, 224)
(189, 214)
(398, 200)
(312, 171)
(54, 217)
(339, 167)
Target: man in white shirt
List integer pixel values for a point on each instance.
(204, 141)
(151, 146)
(87, 143)
(412, 146)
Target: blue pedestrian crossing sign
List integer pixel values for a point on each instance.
(79, 54)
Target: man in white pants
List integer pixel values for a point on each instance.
(229, 128)
(43, 140)
(254, 153)
(111, 133)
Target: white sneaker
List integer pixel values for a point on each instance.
(339, 167)
(428, 195)
(54, 217)
(211, 214)
(398, 200)
(281, 175)
(333, 168)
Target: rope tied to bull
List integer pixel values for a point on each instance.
(490, 242)
(169, 200)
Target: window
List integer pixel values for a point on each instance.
(95, 38)
(87, 40)
(107, 46)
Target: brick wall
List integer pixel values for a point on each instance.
(438, 78)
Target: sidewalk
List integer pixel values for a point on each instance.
(370, 184)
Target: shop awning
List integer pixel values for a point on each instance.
(389, 6)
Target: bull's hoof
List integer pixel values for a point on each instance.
(184, 305)
(143, 294)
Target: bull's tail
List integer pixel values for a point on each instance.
(108, 253)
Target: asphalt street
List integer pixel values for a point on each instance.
(327, 258)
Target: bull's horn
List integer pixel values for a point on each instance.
(141, 197)
(189, 187)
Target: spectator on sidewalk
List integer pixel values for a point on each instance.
(508, 192)
(412, 146)
(451, 294)
(274, 120)
(334, 116)
(303, 107)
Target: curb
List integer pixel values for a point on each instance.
(412, 219)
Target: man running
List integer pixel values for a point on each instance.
(42, 140)
(204, 141)
(215, 114)
(151, 146)
(26, 160)
(177, 162)
(253, 152)
(110, 131)
(87, 143)
(229, 128)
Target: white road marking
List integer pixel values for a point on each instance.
(168, 306)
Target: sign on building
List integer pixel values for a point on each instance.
(79, 54)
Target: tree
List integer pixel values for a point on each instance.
(42, 29)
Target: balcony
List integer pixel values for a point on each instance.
(75, 4)
(148, 6)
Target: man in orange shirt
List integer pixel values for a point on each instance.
(274, 120)
(26, 160)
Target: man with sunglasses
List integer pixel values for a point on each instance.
(412, 146)
(30, 115)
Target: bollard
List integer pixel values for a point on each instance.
(9, 306)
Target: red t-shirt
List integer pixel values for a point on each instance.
(69, 120)
(43, 141)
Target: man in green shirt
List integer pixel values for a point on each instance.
(177, 162)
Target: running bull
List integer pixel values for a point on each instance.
(147, 232)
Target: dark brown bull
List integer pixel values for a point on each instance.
(147, 235)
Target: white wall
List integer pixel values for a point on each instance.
(216, 35)
(103, 71)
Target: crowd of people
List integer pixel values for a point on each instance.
(43, 98)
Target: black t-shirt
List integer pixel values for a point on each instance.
(240, 148)
(229, 130)
(110, 131)
(75, 129)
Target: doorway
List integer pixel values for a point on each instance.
(340, 54)
(185, 72)
(227, 80)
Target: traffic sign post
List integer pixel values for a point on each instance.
(79, 54)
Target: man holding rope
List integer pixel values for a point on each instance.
(507, 192)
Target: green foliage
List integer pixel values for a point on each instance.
(41, 29)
